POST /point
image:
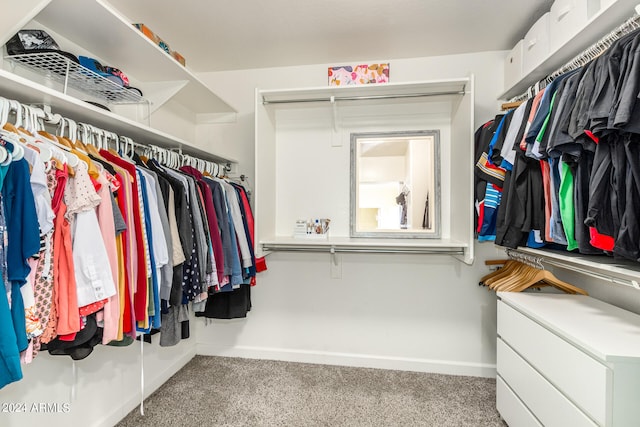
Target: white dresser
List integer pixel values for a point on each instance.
(567, 360)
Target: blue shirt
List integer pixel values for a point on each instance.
(10, 369)
(23, 236)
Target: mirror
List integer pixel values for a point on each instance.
(395, 184)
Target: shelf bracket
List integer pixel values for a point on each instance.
(336, 141)
(335, 266)
(66, 78)
(161, 92)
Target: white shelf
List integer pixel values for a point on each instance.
(28, 92)
(347, 244)
(280, 115)
(423, 88)
(599, 25)
(99, 28)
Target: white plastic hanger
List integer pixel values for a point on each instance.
(110, 136)
(5, 157)
(71, 159)
(32, 137)
(13, 138)
(127, 148)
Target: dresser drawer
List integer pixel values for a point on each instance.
(574, 373)
(511, 408)
(547, 404)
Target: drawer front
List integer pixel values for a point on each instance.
(536, 44)
(585, 381)
(547, 404)
(511, 408)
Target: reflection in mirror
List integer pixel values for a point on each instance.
(395, 184)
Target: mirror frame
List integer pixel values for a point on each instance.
(408, 234)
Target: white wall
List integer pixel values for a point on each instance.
(415, 312)
(107, 385)
(237, 88)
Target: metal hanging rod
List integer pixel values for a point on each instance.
(362, 98)
(530, 260)
(354, 249)
(595, 275)
(586, 56)
(538, 261)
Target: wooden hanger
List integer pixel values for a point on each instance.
(517, 276)
(509, 266)
(549, 278)
(510, 105)
(522, 280)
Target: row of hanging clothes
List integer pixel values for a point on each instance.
(563, 168)
(103, 240)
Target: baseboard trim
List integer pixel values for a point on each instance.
(446, 367)
(151, 385)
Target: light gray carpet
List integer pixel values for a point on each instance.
(220, 391)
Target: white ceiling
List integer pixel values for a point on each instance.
(219, 35)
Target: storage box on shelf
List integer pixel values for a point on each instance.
(536, 43)
(157, 40)
(513, 65)
(571, 35)
(566, 19)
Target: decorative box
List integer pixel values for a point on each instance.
(358, 74)
(147, 32)
(158, 41)
(178, 57)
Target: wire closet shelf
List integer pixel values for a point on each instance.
(70, 74)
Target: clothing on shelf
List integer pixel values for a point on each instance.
(570, 161)
(99, 246)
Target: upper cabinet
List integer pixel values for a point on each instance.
(304, 152)
(564, 32)
(95, 29)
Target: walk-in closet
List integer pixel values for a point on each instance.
(322, 214)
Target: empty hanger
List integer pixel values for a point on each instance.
(517, 276)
